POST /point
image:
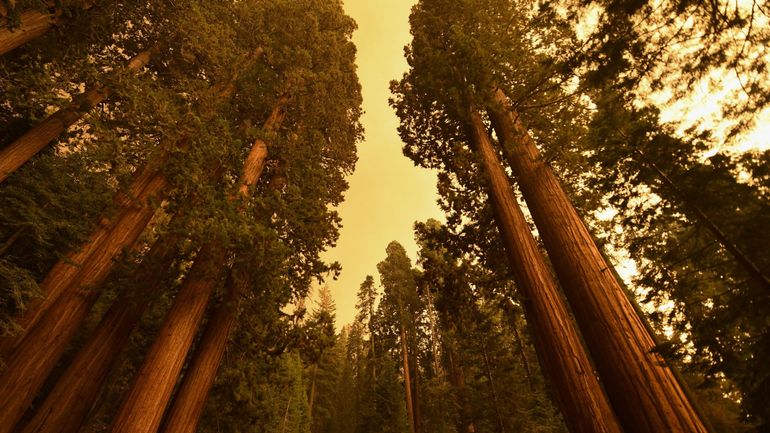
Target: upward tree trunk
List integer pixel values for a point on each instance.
(564, 360)
(143, 407)
(33, 25)
(311, 397)
(65, 408)
(28, 145)
(105, 243)
(407, 380)
(643, 389)
(190, 400)
(38, 352)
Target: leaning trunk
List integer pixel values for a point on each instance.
(33, 25)
(143, 407)
(36, 355)
(28, 145)
(199, 378)
(565, 362)
(105, 242)
(66, 407)
(643, 389)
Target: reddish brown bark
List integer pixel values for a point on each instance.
(407, 380)
(107, 238)
(33, 25)
(565, 362)
(28, 145)
(199, 378)
(143, 407)
(66, 407)
(644, 391)
(38, 352)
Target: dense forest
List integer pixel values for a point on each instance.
(170, 174)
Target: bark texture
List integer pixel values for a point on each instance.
(37, 353)
(33, 25)
(644, 391)
(66, 407)
(562, 355)
(143, 406)
(190, 400)
(28, 145)
(142, 409)
(107, 240)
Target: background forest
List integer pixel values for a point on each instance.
(170, 173)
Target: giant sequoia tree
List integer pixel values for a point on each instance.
(480, 68)
(203, 151)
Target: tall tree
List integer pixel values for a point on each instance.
(28, 145)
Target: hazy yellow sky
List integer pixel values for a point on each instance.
(387, 192)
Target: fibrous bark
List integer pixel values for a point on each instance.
(642, 388)
(562, 355)
(66, 407)
(104, 243)
(37, 353)
(143, 407)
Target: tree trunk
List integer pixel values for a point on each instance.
(564, 360)
(407, 380)
(104, 244)
(643, 389)
(311, 397)
(33, 25)
(66, 407)
(190, 400)
(416, 393)
(37, 353)
(28, 145)
(143, 407)
(457, 380)
(520, 348)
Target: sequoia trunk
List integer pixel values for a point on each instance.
(105, 243)
(199, 378)
(65, 408)
(37, 353)
(33, 25)
(28, 145)
(565, 362)
(143, 407)
(644, 391)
